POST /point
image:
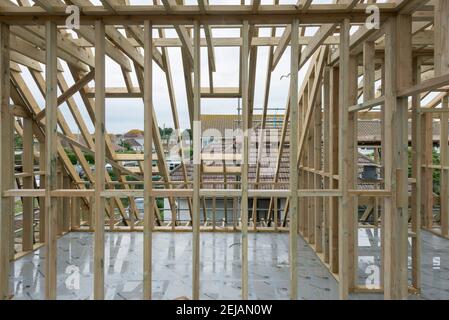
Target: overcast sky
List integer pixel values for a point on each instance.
(125, 114)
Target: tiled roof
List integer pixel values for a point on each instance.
(268, 166)
(370, 131)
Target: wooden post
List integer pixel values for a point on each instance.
(75, 215)
(148, 162)
(352, 155)
(6, 162)
(344, 207)
(369, 88)
(99, 159)
(441, 68)
(311, 175)
(326, 162)
(28, 167)
(318, 205)
(416, 174)
(90, 213)
(334, 167)
(441, 35)
(305, 161)
(245, 159)
(51, 160)
(196, 163)
(427, 181)
(397, 76)
(66, 203)
(112, 214)
(60, 209)
(294, 178)
(42, 167)
(214, 212)
(444, 161)
(275, 213)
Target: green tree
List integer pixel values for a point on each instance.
(125, 144)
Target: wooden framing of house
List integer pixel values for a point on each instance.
(352, 71)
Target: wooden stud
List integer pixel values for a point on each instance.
(42, 167)
(245, 158)
(59, 216)
(75, 215)
(148, 162)
(416, 174)
(397, 75)
(294, 178)
(344, 207)
(351, 172)
(196, 163)
(326, 161)
(28, 167)
(99, 159)
(51, 161)
(334, 167)
(6, 162)
(441, 54)
(317, 143)
(444, 175)
(66, 205)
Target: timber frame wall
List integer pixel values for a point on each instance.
(408, 55)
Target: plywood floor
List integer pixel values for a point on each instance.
(220, 267)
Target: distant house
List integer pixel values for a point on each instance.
(134, 144)
(214, 173)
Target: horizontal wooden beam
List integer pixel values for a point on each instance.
(425, 86)
(186, 14)
(185, 193)
(368, 104)
(236, 42)
(122, 92)
(434, 110)
(221, 93)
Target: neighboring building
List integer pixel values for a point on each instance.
(369, 132)
(134, 144)
(227, 209)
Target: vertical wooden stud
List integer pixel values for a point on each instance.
(351, 171)
(42, 167)
(196, 162)
(148, 162)
(28, 167)
(397, 76)
(441, 57)
(416, 174)
(51, 160)
(326, 162)
(334, 167)
(294, 179)
(99, 159)
(344, 201)
(245, 159)
(6, 162)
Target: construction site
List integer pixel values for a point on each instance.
(285, 150)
